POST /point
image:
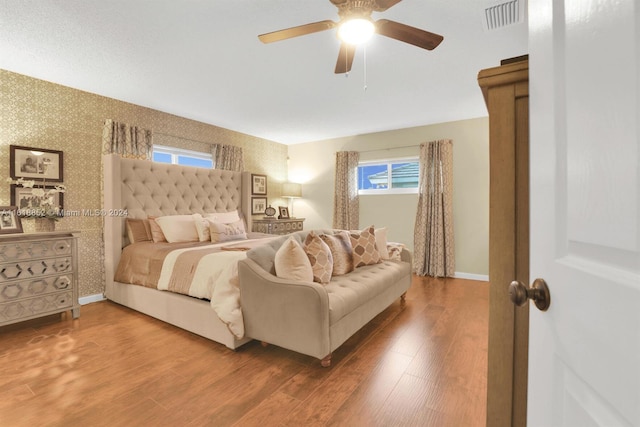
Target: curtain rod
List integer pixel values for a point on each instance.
(182, 137)
(390, 148)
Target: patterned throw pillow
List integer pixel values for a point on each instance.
(365, 251)
(226, 232)
(341, 251)
(292, 263)
(320, 257)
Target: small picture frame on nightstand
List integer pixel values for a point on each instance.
(283, 212)
(9, 220)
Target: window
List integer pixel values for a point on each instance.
(179, 156)
(397, 176)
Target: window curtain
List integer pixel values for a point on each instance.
(227, 157)
(345, 200)
(126, 140)
(433, 234)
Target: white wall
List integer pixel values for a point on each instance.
(313, 165)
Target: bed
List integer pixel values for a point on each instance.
(141, 188)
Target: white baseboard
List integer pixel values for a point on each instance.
(91, 298)
(471, 276)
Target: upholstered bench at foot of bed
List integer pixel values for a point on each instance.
(311, 318)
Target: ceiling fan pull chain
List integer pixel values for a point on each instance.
(365, 67)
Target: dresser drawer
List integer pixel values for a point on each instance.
(36, 286)
(32, 307)
(26, 269)
(14, 251)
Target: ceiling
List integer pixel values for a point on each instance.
(201, 59)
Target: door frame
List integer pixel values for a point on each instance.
(506, 93)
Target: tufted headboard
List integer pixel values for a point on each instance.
(142, 188)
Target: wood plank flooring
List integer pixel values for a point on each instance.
(421, 364)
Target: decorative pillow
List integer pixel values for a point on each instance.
(225, 232)
(178, 228)
(395, 249)
(341, 252)
(291, 262)
(381, 242)
(364, 247)
(320, 258)
(156, 232)
(202, 228)
(138, 230)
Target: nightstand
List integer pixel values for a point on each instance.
(38, 275)
(277, 226)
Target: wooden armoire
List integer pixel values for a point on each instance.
(506, 93)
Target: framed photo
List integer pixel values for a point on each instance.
(258, 205)
(258, 184)
(35, 163)
(31, 201)
(9, 220)
(284, 212)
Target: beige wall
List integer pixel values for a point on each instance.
(313, 165)
(35, 113)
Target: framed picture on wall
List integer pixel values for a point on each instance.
(35, 163)
(258, 205)
(9, 220)
(37, 201)
(258, 184)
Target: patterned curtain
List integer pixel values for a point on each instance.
(227, 157)
(126, 140)
(433, 234)
(345, 199)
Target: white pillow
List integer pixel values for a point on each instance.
(178, 228)
(381, 242)
(202, 228)
(225, 232)
(291, 262)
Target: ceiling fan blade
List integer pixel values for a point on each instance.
(345, 58)
(407, 34)
(300, 30)
(382, 5)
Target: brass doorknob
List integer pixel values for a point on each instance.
(519, 293)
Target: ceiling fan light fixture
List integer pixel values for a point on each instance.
(356, 31)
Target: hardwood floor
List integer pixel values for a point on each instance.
(422, 364)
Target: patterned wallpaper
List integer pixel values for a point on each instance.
(36, 113)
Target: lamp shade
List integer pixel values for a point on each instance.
(291, 190)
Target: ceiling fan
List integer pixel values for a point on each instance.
(356, 26)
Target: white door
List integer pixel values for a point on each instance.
(584, 361)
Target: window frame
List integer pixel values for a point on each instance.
(389, 162)
(175, 152)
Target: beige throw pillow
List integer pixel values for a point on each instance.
(138, 230)
(156, 232)
(381, 242)
(341, 251)
(320, 258)
(291, 262)
(227, 232)
(364, 247)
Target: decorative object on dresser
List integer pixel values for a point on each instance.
(258, 205)
(258, 185)
(35, 163)
(291, 191)
(38, 275)
(277, 226)
(269, 212)
(10, 220)
(283, 212)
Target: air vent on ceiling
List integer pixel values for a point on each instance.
(503, 14)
